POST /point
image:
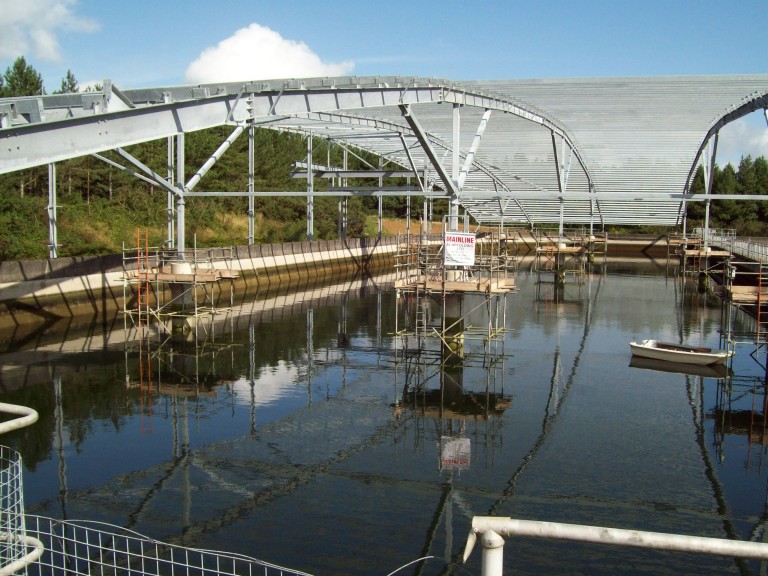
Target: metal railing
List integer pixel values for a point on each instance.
(85, 548)
(492, 530)
(43, 546)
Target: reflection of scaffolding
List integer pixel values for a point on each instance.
(178, 363)
(161, 283)
(451, 322)
(567, 253)
(742, 409)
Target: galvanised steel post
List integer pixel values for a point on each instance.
(170, 208)
(453, 210)
(53, 242)
(310, 191)
(710, 174)
(251, 179)
(180, 240)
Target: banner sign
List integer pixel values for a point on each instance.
(459, 249)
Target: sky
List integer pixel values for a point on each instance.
(146, 43)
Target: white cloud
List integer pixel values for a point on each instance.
(747, 136)
(259, 53)
(30, 28)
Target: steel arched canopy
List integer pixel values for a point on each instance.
(603, 151)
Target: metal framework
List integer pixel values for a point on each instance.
(588, 152)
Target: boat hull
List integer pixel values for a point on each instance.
(682, 354)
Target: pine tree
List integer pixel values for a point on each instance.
(68, 84)
(22, 79)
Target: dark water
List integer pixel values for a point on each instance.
(296, 431)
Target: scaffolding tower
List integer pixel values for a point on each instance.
(567, 252)
(161, 284)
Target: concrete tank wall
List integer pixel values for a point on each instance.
(73, 285)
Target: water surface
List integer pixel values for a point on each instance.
(297, 429)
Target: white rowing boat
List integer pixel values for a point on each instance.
(679, 353)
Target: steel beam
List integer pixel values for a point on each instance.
(426, 145)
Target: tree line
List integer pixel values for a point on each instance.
(747, 217)
(21, 79)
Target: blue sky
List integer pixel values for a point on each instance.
(154, 43)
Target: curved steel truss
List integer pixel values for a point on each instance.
(579, 151)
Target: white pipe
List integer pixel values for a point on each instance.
(482, 525)
(28, 416)
(493, 553)
(22, 563)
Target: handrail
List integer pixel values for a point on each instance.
(492, 531)
(28, 416)
(22, 563)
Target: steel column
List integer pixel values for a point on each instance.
(310, 191)
(381, 200)
(709, 175)
(170, 208)
(53, 242)
(180, 168)
(453, 209)
(251, 184)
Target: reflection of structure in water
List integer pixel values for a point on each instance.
(457, 406)
(741, 409)
(747, 423)
(191, 363)
(451, 318)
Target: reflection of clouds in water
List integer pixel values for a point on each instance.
(271, 384)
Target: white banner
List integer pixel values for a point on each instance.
(459, 249)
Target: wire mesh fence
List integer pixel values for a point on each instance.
(89, 548)
(36, 545)
(12, 544)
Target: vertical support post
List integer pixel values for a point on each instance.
(310, 191)
(408, 213)
(709, 177)
(493, 553)
(180, 169)
(380, 205)
(251, 179)
(453, 210)
(53, 242)
(559, 170)
(170, 208)
(343, 202)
